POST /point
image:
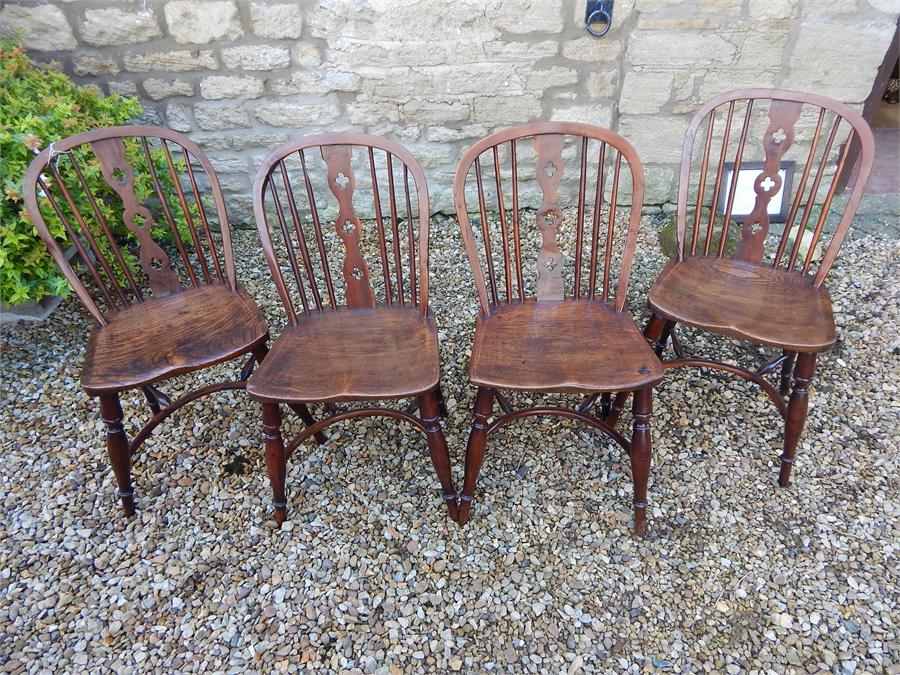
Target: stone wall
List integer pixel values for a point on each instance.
(242, 77)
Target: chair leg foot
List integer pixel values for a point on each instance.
(484, 403)
(642, 410)
(276, 459)
(429, 410)
(117, 449)
(798, 406)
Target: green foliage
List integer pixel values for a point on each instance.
(669, 244)
(39, 105)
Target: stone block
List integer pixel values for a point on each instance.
(242, 140)
(496, 110)
(646, 92)
(123, 88)
(229, 86)
(276, 20)
(256, 57)
(88, 63)
(366, 113)
(678, 49)
(214, 117)
(598, 114)
(659, 184)
(203, 21)
(592, 49)
(435, 112)
(284, 114)
(538, 80)
(526, 16)
(172, 61)
(604, 81)
(820, 62)
(159, 89)
(308, 56)
(773, 9)
(450, 135)
(317, 82)
(657, 138)
(178, 117)
(43, 27)
(114, 26)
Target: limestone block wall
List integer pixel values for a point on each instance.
(241, 77)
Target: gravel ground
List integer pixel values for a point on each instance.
(734, 574)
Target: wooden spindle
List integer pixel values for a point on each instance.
(595, 226)
(379, 224)
(701, 188)
(485, 231)
(198, 248)
(98, 215)
(826, 205)
(811, 200)
(501, 207)
(288, 244)
(718, 184)
(613, 203)
(301, 237)
(517, 238)
(395, 230)
(579, 220)
(801, 188)
(167, 212)
(736, 170)
(202, 211)
(413, 293)
(317, 227)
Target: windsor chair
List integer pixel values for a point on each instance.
(153, 267)
(540, 330)
(770, 292)
(356, 332)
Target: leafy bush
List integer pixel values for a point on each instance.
(39, 105)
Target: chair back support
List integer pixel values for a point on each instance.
(527, 175)
(142, 208)
(762, 130)
(309, 199)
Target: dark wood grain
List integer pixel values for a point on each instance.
(363, 349)
(766, 305)
(583, 343)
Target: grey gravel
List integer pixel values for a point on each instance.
(734, 575)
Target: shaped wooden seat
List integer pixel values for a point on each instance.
(153, 267)
(772, 307)
(543, 326)
(572, 346)
(168, 336)
(770, 290)
(345, 341)
(326, 357)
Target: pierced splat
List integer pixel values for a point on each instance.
(138, 218)
(341, 181)
(549, 171)
(779, 136)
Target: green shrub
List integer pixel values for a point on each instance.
(39, 105)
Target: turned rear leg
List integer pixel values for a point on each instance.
(642, 409)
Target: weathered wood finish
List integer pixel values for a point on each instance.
(363, 349)
(183, 323)
(778, 302)
(555, 342)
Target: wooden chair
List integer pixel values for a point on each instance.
(154, 268)
(540, 330)
(770, 290)
(346, 341)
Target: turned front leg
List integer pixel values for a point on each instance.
(798, 406)
(642, 410)
(118, 450)
(437, 448)
(276, 459)
(484, 403)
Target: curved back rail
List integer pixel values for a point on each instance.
(542, 165)
(312, 194)
(141, 206)
(814, 133)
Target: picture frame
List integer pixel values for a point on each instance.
(745, 196)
